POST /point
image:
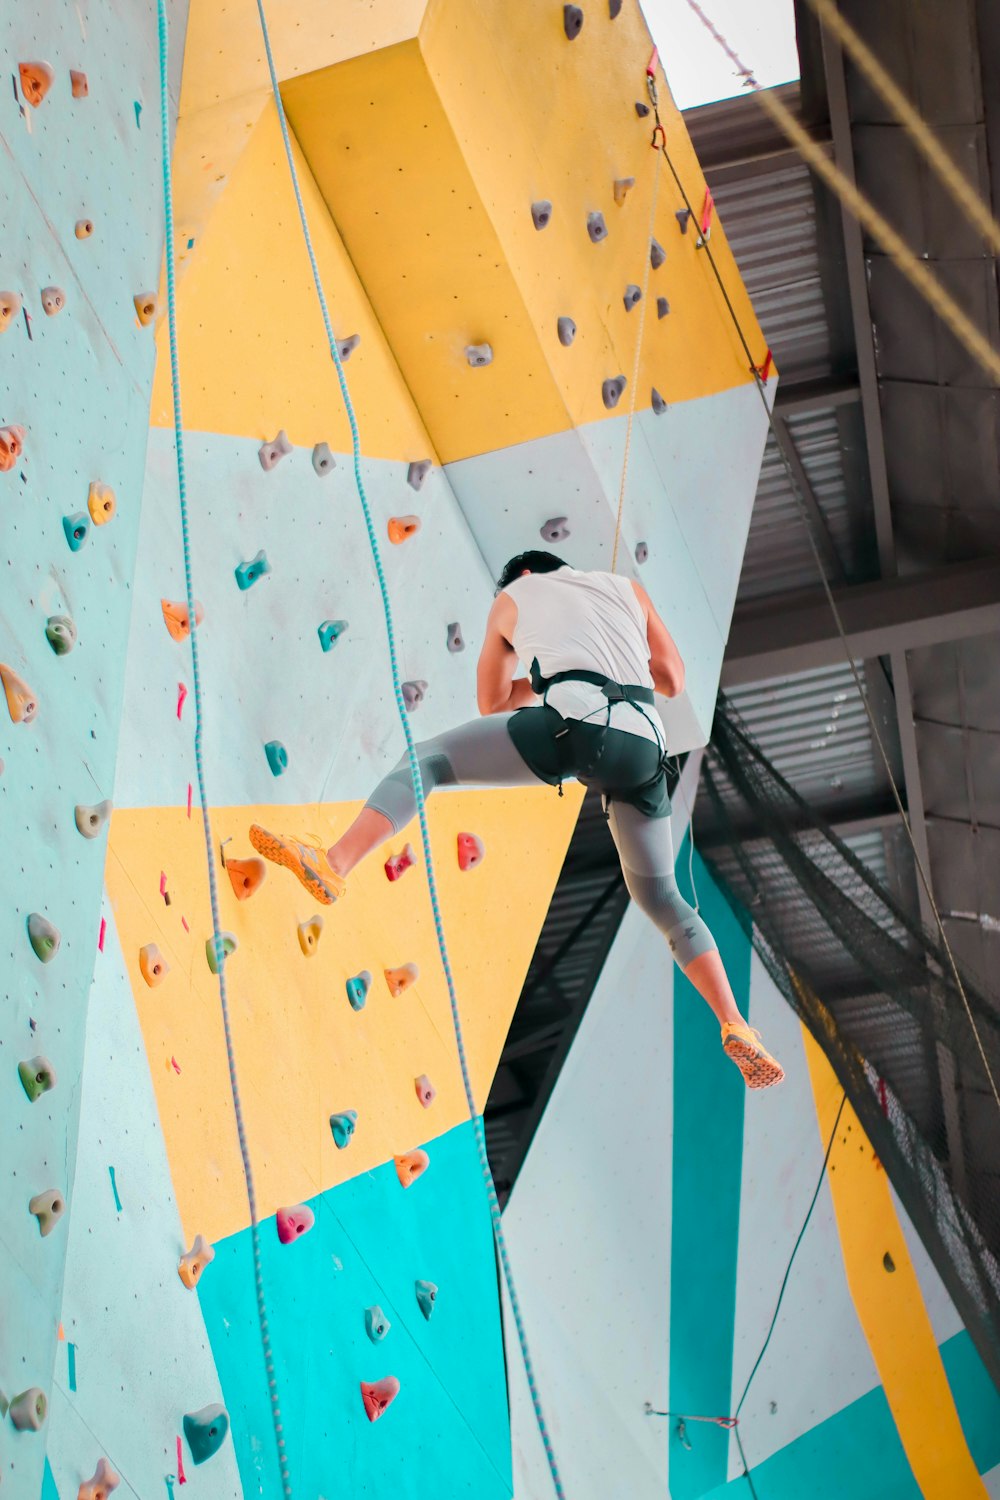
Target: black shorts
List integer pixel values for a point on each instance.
(625, 767)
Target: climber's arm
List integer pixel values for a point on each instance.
(496, 690)
(664, 658)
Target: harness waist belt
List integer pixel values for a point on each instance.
(615, 692)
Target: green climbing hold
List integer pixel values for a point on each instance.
(217, 950)
(37, 1076)
(43, 937)
(205, 1431)
(60, 632)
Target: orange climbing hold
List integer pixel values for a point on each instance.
(145, 307)
(411, 1165)
(104, 1481)
(10, 306)
(21, 701)
(246, 876)
(309, 935)
(83, 228)
(402, 527)
(399, 980)
(471, 850)
(175, 617)
(379, 1396)
(36, 80)
(11, 447)
(191, 1265)
(78, 83)
(101, 502)
(152, 965)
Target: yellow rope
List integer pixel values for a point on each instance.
(957, 184)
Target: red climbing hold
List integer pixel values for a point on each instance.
(470, 851)
(379, 1396)
(398, 864)
(294, 1222)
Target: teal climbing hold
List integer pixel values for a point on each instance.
(357, 989)
(248, 573)
(330, 632)
(43, 937)
(342, 1126)
(77, 529)
(205, 1431)
(277, 757)
(377, 1325)
(426, 1297)
(218, 950)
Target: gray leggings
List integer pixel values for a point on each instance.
(482, 753)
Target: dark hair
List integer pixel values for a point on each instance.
(530, 562)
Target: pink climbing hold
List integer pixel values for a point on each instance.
(378, 1396)
(410, 1166)
(294, 1222)
(471, 850)
(398, 864)
(426, 1092)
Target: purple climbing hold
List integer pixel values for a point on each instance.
(417, 473)
(662, 307)
(456, 641)
(657, 402)
(682, 215)
(633, 294)
(614, 9)
(556, 530)
(572, 21)
(641, 552)
(346, 347)
(612, 391)
(596, 227)
(657, 254)
(541, 213)
(566, 329)
(413, 693)
(642, 110)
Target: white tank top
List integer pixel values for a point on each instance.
(571, 619)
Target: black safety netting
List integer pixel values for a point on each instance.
(898, 1036)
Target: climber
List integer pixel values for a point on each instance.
(595, 650)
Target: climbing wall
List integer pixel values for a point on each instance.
(650, 1278)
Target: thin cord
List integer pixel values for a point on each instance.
(418, 786)
(168, 202)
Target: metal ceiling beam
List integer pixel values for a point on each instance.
(822, 535)
(873, 815)
(763, 163)
(797, 633)
(803, 396)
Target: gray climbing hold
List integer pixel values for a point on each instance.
(657, 254)
(612, 391)
(90, 820)
(274, 451)
(29, 1410)
(622, 186)
(53, 300)
(456, 641)
(346, 347)
(642, 110)
(556, 530)
(413, 693)
(657, 402)
(426, 1297)
(566, 329)
(60, 632)
(377, 1325)
(417, 473)
(479, 355)
(596, 227)
(323, 460)
(662, 307)
(641, 552)
(43, 937)
(614, 9)
(541, 213)
(572, 21)
(633, 294)
(48, 1209)
(682, 215)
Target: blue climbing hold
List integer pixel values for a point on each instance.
(248, 572)
(277, 757)
(342, 1126)
(206, 1431)
(330, 632)
(77, 529)
(357, 989)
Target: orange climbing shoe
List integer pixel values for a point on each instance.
(307, 863)
(744, 1046)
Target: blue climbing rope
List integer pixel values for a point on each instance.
(418, 785)
(168, 206)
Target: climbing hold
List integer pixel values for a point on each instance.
(657, 254)
(145, 307)
(194, 1261)
(10, 306)
(43, 937)
(401, 527)
(48, 1209)
(323, 460)
(28, 1410)
(426, 1297)
(621, 189)
(248, 573)
(418, 472)
(596, 227)
(633, 294)
(272, 452)
(377, 1325)
(657, 401)
(218, 949)
(37, 1076)
(246, 876)
(471, 850)
(682, 215)
(90, 820)
(293, 1222)
(642, 110)
(379, 1396)
(888, 1263)
(572, 21)
(426, 1092)
(662, 307)
(277, 757)
(342, 1126)
(206, 1431)
(555, 530)
(614, 9)
(541, 213)
(357, 989)
(479, 355)
(77, 529)
(60, 632)
(53, 300)
(11, 447)
(641, 552)
(347, 346)
(330, 632)
(399, 980)
(100, 502)
(21, 701)
(309, 933)
(83, 228)
(104, 1481)
(175, 617)
(152, 965)
(612, 391)
(413, 693)
(78, 84)
(36, 80)
(410, 1166)
(455, 640)
(566, 330)
(398, 864)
